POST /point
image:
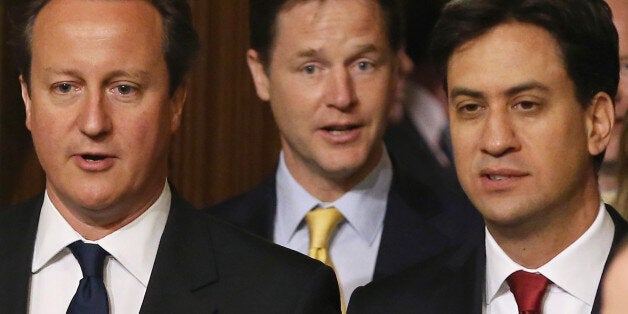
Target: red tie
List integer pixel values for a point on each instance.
(529, 290)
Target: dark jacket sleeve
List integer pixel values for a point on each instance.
(321, 296)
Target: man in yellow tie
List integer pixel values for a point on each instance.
(328, 70)
(104, 84)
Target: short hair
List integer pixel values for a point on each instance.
(263, 23)
(419, 18)
(583, 29)
(180, 40)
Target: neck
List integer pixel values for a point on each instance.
(328, 186)
(94, 224)
(536, 241)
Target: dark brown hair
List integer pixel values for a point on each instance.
(263, 23)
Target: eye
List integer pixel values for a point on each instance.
(623, 69)
(124, 89)
(470, 108)
(364, 65)
(309, 69)
(124, 92)
(63, 88)
(526, 105)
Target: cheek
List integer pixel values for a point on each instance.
(292, 109)
(48, 126)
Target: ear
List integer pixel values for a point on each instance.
(600, 117)
(27, 101)
(258, 72)
(177, 103)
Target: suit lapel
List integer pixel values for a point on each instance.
(184, 265)
(407, 237)
(620, 232)
(421, 223)
(255, 211)
(479, 280)
(263, 222)
(18, 229)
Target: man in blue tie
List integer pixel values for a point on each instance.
(104, 84)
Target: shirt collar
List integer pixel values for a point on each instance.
(363, 207)
(134, 246)
(585, 257)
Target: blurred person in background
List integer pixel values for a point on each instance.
(608, 175)
(418, 137)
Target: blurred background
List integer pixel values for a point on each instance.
(227, 143)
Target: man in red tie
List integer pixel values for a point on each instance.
(530, 86)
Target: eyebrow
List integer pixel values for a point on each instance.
(62, 72)
(361, 49)
(143, 75)
(462, 91)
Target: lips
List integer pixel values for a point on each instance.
(340, 129)
(93, 157)
(341, 133)
(497, 179)
(94, 161)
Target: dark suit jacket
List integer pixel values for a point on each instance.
(202, 266)
(417, 225)
(450, 283)
(415, 159)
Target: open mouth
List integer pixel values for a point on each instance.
(497, 177)
(93, 158)
(338, 130)
(502, 175)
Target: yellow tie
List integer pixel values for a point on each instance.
(321, 222)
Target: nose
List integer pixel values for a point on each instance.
(94, 119)
(498, 137)
(339, 89)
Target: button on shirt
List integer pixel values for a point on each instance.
(133, 248)
(354, 247)
(575, 273)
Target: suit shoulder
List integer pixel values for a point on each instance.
(255, 264)
(244, 203)
(442, 284)
(18, 216)
(247, 244)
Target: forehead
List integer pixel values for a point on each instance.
(508, 53)
(97, 18)
(333, 20)
(620, 17)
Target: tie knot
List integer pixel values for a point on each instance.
(91, 257)
(528, 289)
(321, 222)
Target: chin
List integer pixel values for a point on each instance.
(95, 198)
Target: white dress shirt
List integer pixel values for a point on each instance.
(575, 272)
(133, 248)
(353, 249)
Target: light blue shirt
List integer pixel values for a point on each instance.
(353, 248)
